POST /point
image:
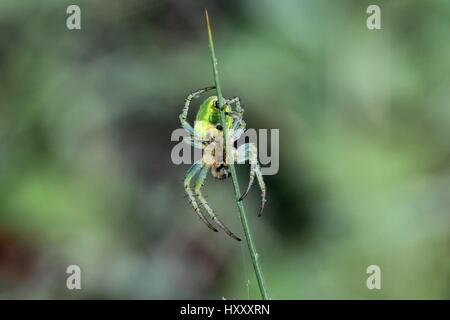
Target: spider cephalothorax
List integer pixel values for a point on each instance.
(207, 134)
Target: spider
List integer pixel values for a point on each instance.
(207, 134)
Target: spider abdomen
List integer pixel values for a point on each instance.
(208, 116)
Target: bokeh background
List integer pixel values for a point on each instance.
(86, 176)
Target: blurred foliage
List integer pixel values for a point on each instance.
(85, 170)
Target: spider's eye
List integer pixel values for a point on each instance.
(216, 104)
(219, 127)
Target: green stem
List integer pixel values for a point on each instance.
(242, 214)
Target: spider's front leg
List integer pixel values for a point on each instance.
(197, 189)
(193, 170)
(187, 102)
(248, 151)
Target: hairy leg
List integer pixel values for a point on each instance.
(237, 102)
(248, 151)
(198, 186)
(193, 170)
(238, 123)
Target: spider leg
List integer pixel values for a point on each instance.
(239, 110)
(238, 128)
(262, 186)
(248, 151)
(193, 170)
(244, 154)
(187, 102)
(197, 189)
(237, 102)
(195, 142)
(239, 123)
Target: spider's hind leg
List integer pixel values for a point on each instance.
(197, 189)
(196, 167)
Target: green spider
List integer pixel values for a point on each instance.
(207, 135)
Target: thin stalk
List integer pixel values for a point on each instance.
(242, 213)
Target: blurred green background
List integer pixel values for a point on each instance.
(86, 176)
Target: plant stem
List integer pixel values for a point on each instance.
(242, 214)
